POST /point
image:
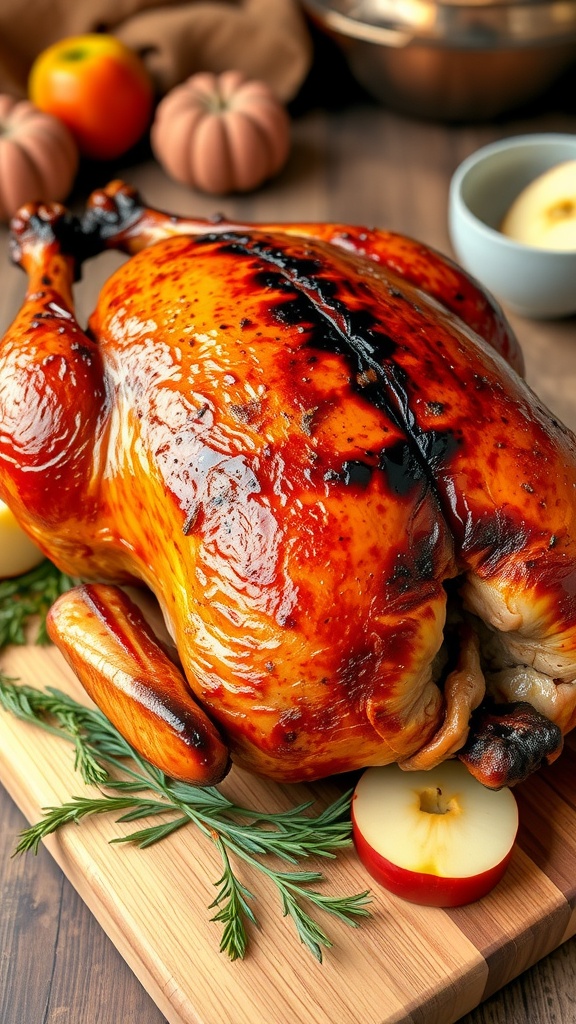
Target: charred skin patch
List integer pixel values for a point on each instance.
(507, 742)
(347, 325)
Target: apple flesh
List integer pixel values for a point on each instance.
(437, 837)
(18, 554)
(544, 214)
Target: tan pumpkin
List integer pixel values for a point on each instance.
(221, 133)
(38, 156)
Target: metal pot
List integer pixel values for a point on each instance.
(451, 60)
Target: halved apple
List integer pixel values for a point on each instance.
(544, 214)
(18, 554)
(437, 837)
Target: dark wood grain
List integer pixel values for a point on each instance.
(56, 964)
(358, 163)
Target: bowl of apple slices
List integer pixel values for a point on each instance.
(512, 221)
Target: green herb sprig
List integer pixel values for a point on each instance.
(28, 598)
(131, 786)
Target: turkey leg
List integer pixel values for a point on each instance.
(52, 394)
(53, 410)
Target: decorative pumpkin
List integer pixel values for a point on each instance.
(221, 133)
(38, 156)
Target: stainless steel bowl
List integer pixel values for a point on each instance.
(452, 60)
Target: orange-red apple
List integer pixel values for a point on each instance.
(99, 88)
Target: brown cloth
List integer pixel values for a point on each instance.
(266, 39)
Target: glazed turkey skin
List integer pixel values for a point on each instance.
(314, 445)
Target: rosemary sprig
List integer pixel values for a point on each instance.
(128, 784)
(28, 597)
(232, 899)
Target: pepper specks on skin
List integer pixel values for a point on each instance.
(354, 333)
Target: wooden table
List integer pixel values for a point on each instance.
(362, 164)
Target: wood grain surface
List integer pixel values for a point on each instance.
(407, 964)
(355, 161)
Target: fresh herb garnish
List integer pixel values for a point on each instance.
(129, 785)
(29, 597)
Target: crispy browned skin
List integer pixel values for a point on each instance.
(123, 222)
(280, 433)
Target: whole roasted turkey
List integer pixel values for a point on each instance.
(314, 445)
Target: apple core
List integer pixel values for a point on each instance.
(433, 800)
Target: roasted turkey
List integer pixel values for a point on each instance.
(314, 445)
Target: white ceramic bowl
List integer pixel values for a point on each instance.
(533, 282)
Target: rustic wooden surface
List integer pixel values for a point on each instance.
(351, 161)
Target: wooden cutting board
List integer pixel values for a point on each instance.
(407, 963)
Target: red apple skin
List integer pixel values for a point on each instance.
(425, 889)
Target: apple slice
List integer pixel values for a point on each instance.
(544, 214)
(18, 553)
(437, 837)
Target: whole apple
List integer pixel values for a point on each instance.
(99, 88)
(437, 837)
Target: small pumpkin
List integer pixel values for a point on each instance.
(38, 156)
(221, 133)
